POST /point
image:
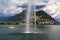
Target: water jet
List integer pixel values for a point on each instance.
(31, 13)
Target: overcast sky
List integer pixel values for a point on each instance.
(10, 7)
(53, 9)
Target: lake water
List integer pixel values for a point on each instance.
(48, 32)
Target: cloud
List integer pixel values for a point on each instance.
(12, 10)
(53, 9)
(10, 7)
(18, 2)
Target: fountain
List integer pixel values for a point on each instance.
(29, 14)
(30, 26)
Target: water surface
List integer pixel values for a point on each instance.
(49, 32)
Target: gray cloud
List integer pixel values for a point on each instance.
(9, 7)
(53, 9)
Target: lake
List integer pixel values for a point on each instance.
(48, 32)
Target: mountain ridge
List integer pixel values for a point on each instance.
(41, 15)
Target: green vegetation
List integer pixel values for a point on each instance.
(42, 18)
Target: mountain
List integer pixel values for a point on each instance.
(3, 18)
(41, 18)
(17, 17)
(44, 19)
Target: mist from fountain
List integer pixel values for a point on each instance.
(31, 13)
(28, 16)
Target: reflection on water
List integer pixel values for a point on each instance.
(49, 32)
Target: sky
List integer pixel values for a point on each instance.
(53, 9)
(10, 7)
